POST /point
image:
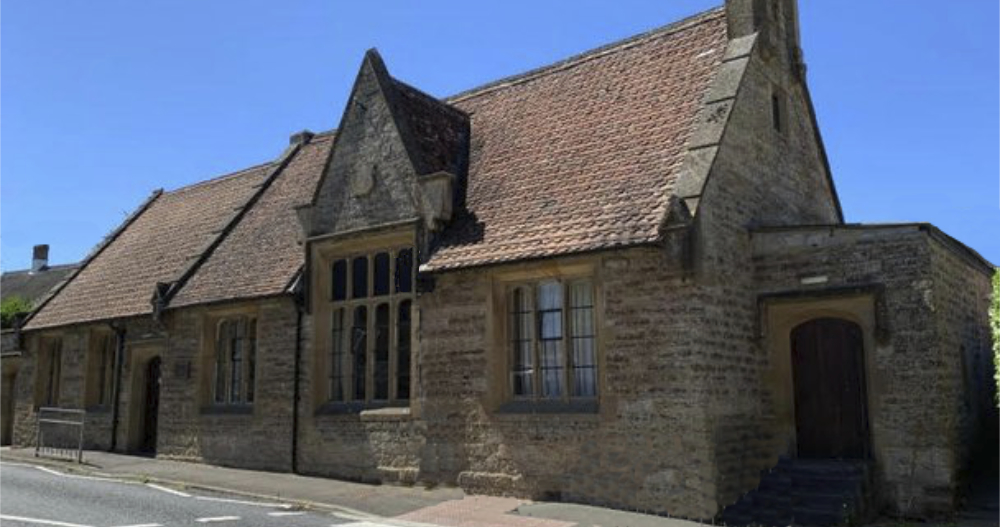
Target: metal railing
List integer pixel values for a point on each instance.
(59, 433)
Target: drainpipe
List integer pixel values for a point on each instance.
(295, 389)
(117, 388)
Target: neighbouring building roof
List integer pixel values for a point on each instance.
(34, 286)
(577, 156)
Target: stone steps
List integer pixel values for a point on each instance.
(805, 492)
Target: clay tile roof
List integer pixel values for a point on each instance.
(155, 245)
(583, 154)
(261, 255)
(576, 156)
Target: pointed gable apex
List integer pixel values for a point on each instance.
(435, 133)
(398, 155)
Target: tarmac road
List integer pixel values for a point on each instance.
(32, 496)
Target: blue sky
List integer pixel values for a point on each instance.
(102, 101)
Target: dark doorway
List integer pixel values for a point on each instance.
(7, 410)
(830, 409)
(151, 408)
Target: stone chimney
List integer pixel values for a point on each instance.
(39, 258)
(777, 24)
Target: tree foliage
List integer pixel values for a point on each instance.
(10, 308)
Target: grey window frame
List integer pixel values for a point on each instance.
(224, 357)
(566, 360)
(347, 306)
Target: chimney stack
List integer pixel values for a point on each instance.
(775, 21)
(39, 258)
(301, 138)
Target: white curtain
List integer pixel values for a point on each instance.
(550, 311)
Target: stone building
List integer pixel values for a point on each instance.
(31, 286)
(622, 279)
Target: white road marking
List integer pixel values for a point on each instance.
(217, 519)
(73, 476)
(355, 517)
(49, 470)
(168, 490)
(286, 513)
(244, 502)
(22, 519)
(15, 464)
(143, 525)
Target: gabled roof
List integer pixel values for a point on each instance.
(156, 245)
(577, 156)
(582, 155)
(262, 254)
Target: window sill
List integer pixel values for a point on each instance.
(382, 411)
(520, 408)
(227, 409)
(396, 413)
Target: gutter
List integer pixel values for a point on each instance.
(117, 388)
(296, 387)
(299, 297)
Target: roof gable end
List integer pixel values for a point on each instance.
(391, 139)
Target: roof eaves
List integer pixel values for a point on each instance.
(104, 244)
(478, 263)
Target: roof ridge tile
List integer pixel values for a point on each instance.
(220, 178)
(585, 56)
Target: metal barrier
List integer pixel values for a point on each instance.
(59, 433)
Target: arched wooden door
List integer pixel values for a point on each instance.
(830, 402)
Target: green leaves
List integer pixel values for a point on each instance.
(10, 308)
